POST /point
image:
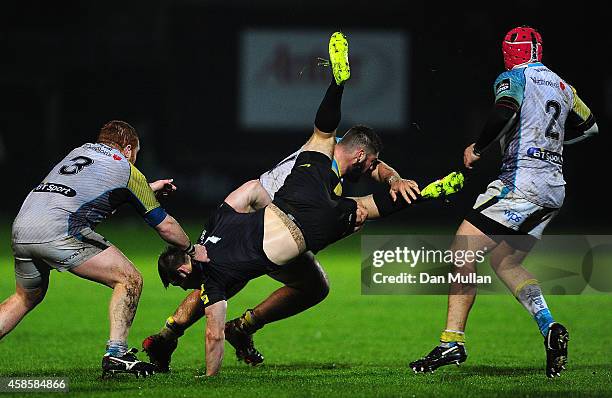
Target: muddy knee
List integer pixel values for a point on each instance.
(130, 279)
(133, 281)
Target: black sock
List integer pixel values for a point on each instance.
(387, 206)
(328, 115)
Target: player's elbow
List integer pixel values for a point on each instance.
(573, 136)
(166, 226)
(593, 130)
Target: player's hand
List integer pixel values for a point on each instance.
(163, 187)
(469, 157)
(407, 188)
(361, 217)
(201, 254)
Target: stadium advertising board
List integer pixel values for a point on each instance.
(281, 84)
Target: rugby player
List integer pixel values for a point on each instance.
(55, 230)
(534, 115)
(305, 282)
(251, 235)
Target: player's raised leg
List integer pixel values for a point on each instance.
(113, 269)
(328, 115)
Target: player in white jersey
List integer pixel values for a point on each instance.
(535, 114)
(55, 230)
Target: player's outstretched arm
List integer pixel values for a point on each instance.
(142, 197)
(215, 336)
(172, 232)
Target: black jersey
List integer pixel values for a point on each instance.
(308, 197)
(234, 243)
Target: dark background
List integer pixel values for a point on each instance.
(170, 69)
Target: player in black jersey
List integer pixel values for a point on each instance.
(250, 235)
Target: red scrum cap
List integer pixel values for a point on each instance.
(522, 45)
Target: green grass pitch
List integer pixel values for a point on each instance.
(349, 345)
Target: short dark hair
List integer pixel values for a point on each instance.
(169, 261)
(364, 137)
(118, 133)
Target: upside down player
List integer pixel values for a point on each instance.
(305, 282)
(535, 114)
(251, 235)
(55, 230)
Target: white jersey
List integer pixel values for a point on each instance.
(273, 179)
(533, 154)
(82, 190)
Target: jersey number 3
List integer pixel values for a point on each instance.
(556, 108)
(78, 164)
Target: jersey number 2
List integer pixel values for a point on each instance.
(556, 108)
(78, 164)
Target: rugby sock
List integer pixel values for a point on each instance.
(116, 348)
(450, 338)
(530, 296)
(248, 323)
(328, 115)
(385, 204)
(171, 330)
